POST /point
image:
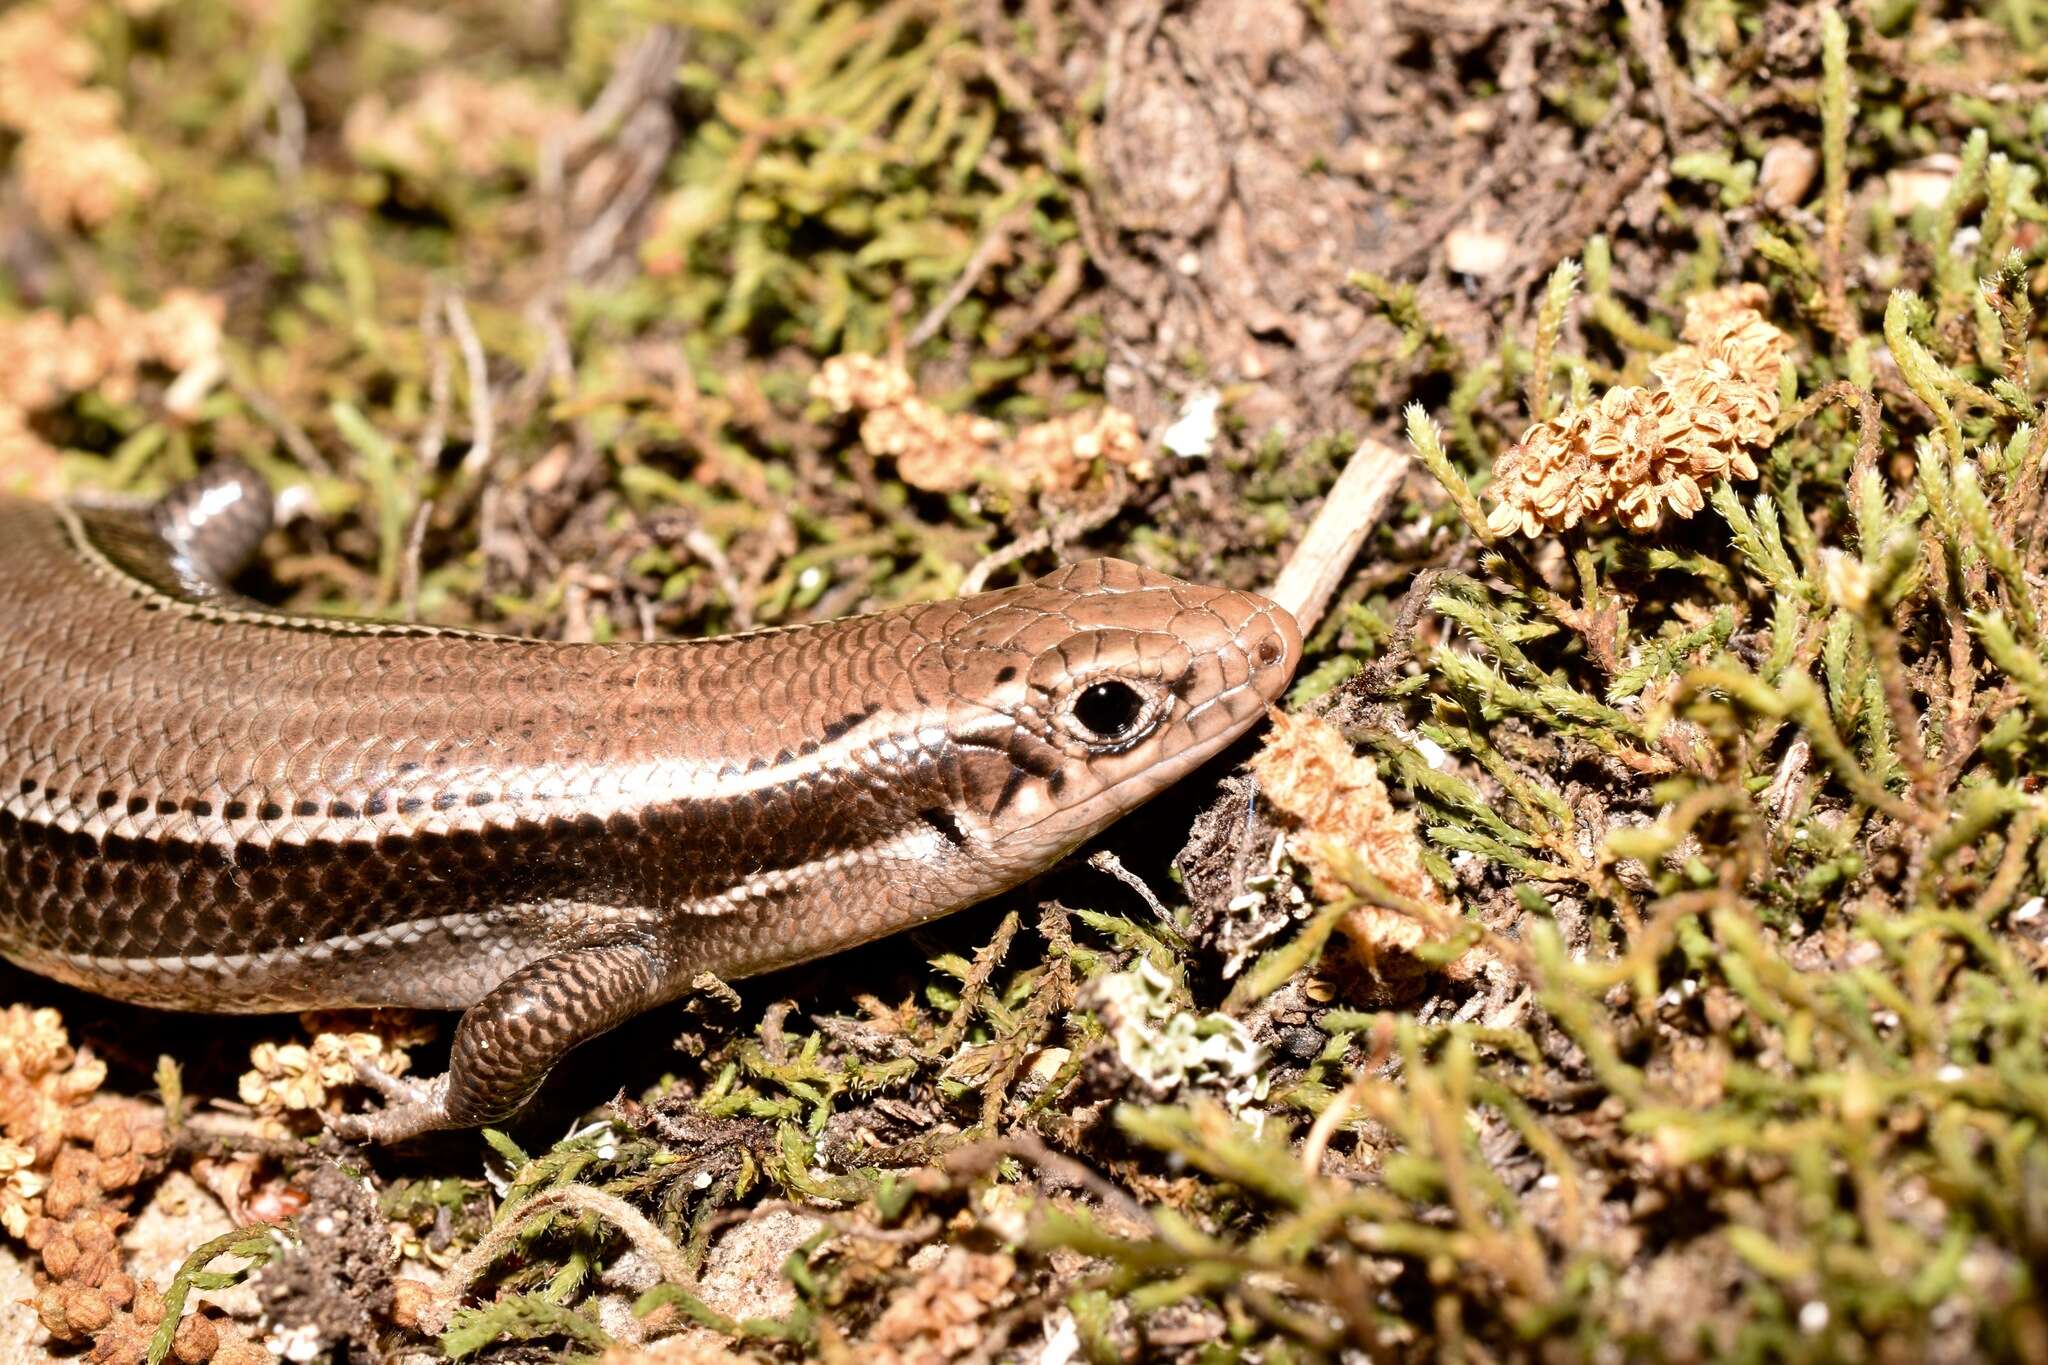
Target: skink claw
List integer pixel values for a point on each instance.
(411, 1107)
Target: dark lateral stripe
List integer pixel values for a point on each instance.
(267, 808)
(87, 803)
(663, 855)
(249, 854)
(669, 823)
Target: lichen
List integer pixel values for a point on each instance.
(1168, 1046)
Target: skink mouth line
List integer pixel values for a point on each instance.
(1162, 774)
(1220, 699)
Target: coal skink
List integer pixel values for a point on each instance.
(209, 805)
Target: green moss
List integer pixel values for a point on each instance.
(1742, 815)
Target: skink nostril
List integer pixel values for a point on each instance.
(1270, 651)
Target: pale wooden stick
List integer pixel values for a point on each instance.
(1356, 503)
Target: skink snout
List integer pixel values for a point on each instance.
(1263, 636)
(1271, 641)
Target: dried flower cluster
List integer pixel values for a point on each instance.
(942, 452)
(941, 1315)
(42, 1080)
(20, 1183)
(108, 1147)
(45, 358)
(301, 1078)
(1345, 823)
(1640, 452)
(74, 163)
(203, 1335)
(454, 122)
(72, 1161)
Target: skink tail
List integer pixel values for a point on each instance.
(216, 521)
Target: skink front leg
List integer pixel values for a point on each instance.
(508, 1041)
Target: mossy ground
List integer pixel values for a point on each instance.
(1744, 812)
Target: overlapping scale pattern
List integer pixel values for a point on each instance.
(208, 806)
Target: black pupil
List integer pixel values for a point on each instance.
(1108, 709)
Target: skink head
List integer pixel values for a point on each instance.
(1099, 686)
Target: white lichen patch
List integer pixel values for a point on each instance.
(1167, 1047)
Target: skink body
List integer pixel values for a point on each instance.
(208, 805)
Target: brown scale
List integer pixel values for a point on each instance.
(208, 805)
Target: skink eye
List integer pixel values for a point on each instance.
(1108, 710)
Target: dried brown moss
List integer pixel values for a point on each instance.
(943, 452)
(46, 358)
(74, 162)
(1346, 825)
